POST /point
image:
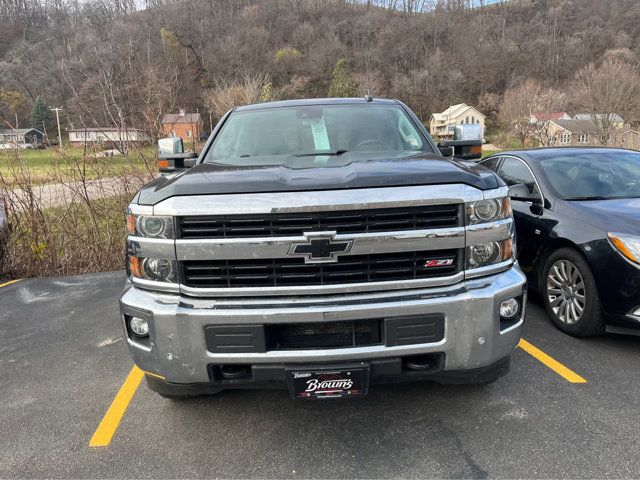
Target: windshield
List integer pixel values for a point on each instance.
(594, 176)
(316, 135)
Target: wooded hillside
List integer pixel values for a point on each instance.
(110, 63)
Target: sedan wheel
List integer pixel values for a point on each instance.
(571, 295)
(566, 292)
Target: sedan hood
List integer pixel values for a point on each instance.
(617, 215)
(211, 179)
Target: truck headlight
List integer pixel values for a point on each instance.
(488, 210)
(155, 269)
(627, 245)
(150, 226)
(485, 254)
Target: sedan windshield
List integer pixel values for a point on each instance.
(594, 175)
(316, 135)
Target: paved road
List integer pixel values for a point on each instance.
(56, 194)
(63, 358)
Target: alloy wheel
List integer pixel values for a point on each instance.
(566, 292)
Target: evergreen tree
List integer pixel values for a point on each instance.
(40, 113)
(342, 85)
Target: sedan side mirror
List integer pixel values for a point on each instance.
(520, 191)
(171, 155)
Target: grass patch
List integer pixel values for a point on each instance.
(51, 165)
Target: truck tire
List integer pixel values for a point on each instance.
(570, 294)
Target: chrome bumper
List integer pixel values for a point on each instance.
(473, 339)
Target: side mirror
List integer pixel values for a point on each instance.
(468, 131)
(463, 149)
(520, 191)
(446, 151)
(171, 155)
(170, 146)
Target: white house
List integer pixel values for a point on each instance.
(615, 119)
(83, 136)
(442, 125)
(21, 138)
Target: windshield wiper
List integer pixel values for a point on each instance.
(340, 151)
(592, 197)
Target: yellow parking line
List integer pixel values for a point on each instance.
(552, 363)
(107, 428)
(10, 282)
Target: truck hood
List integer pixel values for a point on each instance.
(211, 179)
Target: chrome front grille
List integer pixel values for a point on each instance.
(341, 222)
(318, 242)
(287, 272)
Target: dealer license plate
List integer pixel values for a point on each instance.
(329, 382)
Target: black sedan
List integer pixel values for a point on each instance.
(577, 213)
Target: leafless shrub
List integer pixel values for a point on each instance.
(228, 94)
(296, 88)
(70, 219)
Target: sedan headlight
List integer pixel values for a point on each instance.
(627, 245)
(155, 269)
(491, 253)
(487, 210)
(150, 226)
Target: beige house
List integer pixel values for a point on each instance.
(572, 133)
(627, 139)
(442, 125)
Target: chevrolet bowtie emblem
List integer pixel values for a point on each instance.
(320, 247)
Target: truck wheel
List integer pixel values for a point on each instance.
(570, 294)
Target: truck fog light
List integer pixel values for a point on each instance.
(158, 269)
(509, 308)
(139, 326)
(636, 313)
(485, 253)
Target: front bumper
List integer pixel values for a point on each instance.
(473, 337)
(618, 283)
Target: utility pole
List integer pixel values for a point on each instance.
(57, 110)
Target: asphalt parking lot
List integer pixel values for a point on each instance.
(63, 360)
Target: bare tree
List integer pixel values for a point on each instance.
(411, 49)
(519, 107)
(607, 92)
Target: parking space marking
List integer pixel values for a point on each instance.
(566, 373)
(109, 424)
(10, 282)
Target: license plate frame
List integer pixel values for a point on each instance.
(328, 382)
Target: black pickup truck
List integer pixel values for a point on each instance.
(321, 246)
